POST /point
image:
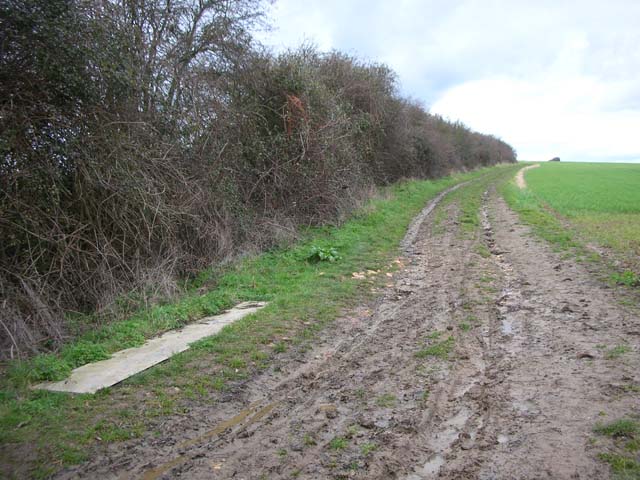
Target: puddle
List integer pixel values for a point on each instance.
(526, 408)
(507, 327)
(432, 467)
(219, 429)
(440, 443)
(158, 471)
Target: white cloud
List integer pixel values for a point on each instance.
(549, 77)
(545, 117)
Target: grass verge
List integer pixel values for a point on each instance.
(41, 432)
(624, 458)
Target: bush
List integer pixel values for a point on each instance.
(134, 154)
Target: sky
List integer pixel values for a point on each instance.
(551, 78)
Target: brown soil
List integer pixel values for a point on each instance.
(520, 181)
(517, 396)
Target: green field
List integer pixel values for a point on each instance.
(602, 202)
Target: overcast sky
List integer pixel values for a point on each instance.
(549, 77)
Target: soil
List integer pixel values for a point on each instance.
(520, 181)
(516, 378)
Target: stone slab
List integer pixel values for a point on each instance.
(95, 376)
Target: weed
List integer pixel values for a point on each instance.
(338, 443)
(472, 319)
(624, 468)
(367, 448)
(625, 433)
(617, 351)
(308, 440)
(386, 400)
(625, 427)
(282, 452)
(631, 388)
(482, 250)
(218, 384)
(109, 432)
(627, 278)
(323, 254)
(465, 327)
(280, 347)
(440, 349)
(71, 455)
(352, 431)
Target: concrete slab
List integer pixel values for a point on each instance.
(95, 376)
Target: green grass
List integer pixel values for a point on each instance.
(625, 427)
(308, 440)
(576, 188)
(367, 448)
(601, 201)
(440, 349)
(617, 351)
(627, 278)
(623, 467)
(338, 443)
(304, 296)
(623, 460)
(386, 400)
(544, 223)
(482, 250)
(465, 327)
(469, 199)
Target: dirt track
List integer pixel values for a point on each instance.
(520, 181)
(516, 397)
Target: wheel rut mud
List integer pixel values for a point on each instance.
(481, 358)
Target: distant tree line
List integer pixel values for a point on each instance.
(144, 140)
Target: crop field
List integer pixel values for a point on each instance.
(601, 200)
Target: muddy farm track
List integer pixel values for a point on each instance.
(481, 359)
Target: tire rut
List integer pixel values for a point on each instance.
(553, 380)
(513, 398)
(359, 384)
